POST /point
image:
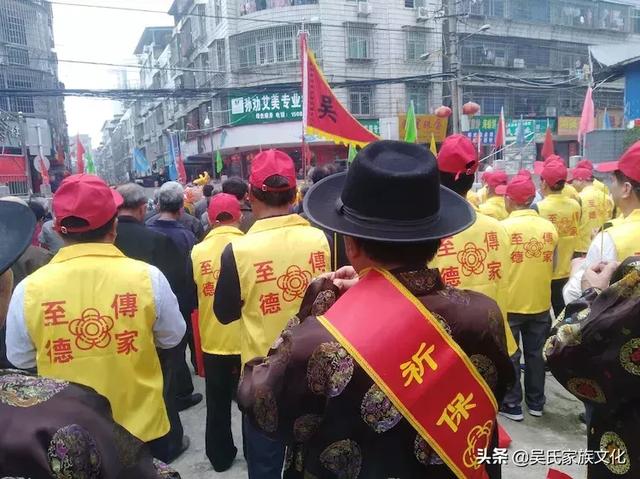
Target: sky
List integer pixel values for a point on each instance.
(104, 36)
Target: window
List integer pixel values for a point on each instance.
(537, 11)
(613, 17)
(17, 56)
(635, 20)
(490, 101)
(361, 101)
(19, 81)
(572, 15)
(488, 8)
(416, 43)
(481, 52)
(217, 11)
(218, 56)
(418, 94)
(204, 67)
(251, 6)
(414, 3)
(14, 27)
(359, 41)
(201, 12)
(530, 104)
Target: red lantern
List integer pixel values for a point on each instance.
(470, 108)
(443, 112)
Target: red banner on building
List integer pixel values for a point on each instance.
(323, 114)
(12, 165)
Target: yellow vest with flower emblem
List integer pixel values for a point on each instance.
(565, 215)
(216, 337)
(478, 259)
(626, 236)
(494, 207)
(90, 314)
(533, 241)
(276, 260)
(595, 213)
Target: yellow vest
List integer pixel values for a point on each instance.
(570, 192)
(478, 259)
(495, 208)
(564, 213)
(216, 337)
(626, 236)
(472, 197)
(482, 194)
(599, 185)
(276, 261)
(595, 213)
(90, 314)
(532, 243)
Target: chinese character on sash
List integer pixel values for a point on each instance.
(494, 270)
(54, 313)
(548, 238)
(414, 370)
(491, 240)
(517, 257)
(208, 289)
(451, 276)
(60, 352)
(548, 256)
(125, 342)
(326, 109)
(447, 247)
(318, 261)
(206, 267)
(270, 303)
(516, 238)
(125, 305)
(264, 272)
(456, 411)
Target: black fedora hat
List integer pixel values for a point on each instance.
(391, 193)
(17, 224)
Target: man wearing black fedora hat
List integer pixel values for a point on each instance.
(398, 375)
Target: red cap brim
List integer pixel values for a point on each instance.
(117, 198)
(607, 167)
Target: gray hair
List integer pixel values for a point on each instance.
(133, 195)
(171, 197)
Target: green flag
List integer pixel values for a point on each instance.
(352, 154)
(410, 127)
(219, 163)
(91, 168)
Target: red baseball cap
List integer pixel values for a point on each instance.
(538, 166)
(86, 197)
(585, 164)
(628, 164)
(497, 178)
(271, 163)
(520, 189)
(224, 203)
(525, 173)
(581, 174)
(554, 172)
(458, 156)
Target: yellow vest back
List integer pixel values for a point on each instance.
(569, 191)
(478, 259)
(276, 261)
(595, 213)
(565, 214)
(216, 337)
(495, 208)
(90, 314)
(532, 242)
(626, 236)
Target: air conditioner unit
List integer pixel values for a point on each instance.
(500, 62)
(364, 9)
(518, 63)
(423, 14)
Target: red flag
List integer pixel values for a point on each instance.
(501, 136)
(323, 114)
(587, 120)
(547, 148)
(182, 173)
(555, 474)
(43, 171)
(79, 155)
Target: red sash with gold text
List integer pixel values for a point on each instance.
(423, 372)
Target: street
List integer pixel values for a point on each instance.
(558, 429)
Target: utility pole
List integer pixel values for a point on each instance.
(22, 123)
(450, 33)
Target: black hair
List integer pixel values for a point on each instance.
(403, 253)
(224, 216)
(622, 178)
(207, 190)
(275, 198)
(320, 172)
(461, 186)
(38, 210)
(235, 186)
(92, 236)
(559, 186)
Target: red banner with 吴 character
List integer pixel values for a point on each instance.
(323, 114)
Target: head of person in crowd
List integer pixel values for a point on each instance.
(485, 174)
(585, 164)
(207, 191)
(495, 181)
(320, 172)
(458, 163)
(134, 201)
(171, 200)
(273, 184)
(86, 210)
(519, 193)
(581, 178)
(386, 230)
(237, 187)
(38, 210)
(525, 173)
(553, 177)
(224, 210)
(625, 186)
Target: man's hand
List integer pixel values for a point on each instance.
(345, 278)
(599, 275)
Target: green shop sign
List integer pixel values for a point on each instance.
(372, 125)
(487, 125)
(252, 108)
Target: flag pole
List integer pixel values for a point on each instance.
(305, 96)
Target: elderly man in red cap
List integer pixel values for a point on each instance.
(94, 316)
(533, 242)
(263, 277)
(494, 205)
(565, 214)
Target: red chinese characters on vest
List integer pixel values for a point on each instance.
(210, 278)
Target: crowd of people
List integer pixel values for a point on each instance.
(371, 324)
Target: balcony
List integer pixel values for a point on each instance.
(252, 6)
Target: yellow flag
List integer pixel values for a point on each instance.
(432, 147)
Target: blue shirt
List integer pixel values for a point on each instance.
(181, 236)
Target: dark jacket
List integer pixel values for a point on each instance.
(186, 220)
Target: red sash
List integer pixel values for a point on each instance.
(423, 372)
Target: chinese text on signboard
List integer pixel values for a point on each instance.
(251, 108)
